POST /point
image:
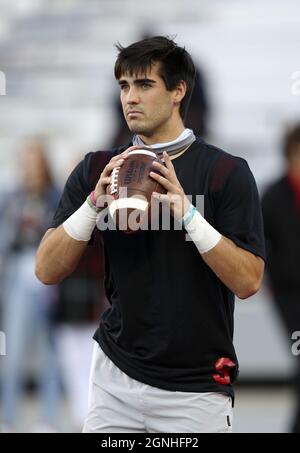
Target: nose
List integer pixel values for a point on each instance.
(132, 95)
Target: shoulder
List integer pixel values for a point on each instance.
(224, 167)
(90, 168)
(219, 157)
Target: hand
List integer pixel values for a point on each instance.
(116, 161)
(175, 196)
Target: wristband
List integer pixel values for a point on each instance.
(200, 231)
(81, 224)
(93, 203)
(93, 198)
(188, 215)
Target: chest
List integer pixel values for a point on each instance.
(193, 176)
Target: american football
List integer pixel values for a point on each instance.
(131, 189)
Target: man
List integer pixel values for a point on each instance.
(281, 211)
(164, 359)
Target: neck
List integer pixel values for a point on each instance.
(178, 154)
(172, 147)
(164, 136)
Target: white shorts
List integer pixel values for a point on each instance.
(120, 404)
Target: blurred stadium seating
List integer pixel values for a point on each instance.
(58, 60)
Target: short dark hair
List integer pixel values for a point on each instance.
(176, 64)
(292, 138)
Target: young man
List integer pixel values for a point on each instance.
(164, 359)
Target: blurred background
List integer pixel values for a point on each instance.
(58, 101)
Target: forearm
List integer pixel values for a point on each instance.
(62, 248)
(57, 256)
(239, 270)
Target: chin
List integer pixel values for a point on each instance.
(137, 127)
(138, 130)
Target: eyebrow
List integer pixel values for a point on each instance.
(137, 81)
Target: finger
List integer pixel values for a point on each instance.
(160, 167)
(161, 197)
(168, 161)
(131, 148)
(123, 155)
(163, 181)
(109, 167)
(169, 173)
(105, 180)
(170, 167)
(118, 157)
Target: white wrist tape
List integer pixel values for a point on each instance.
(200, 231)
(81, 224)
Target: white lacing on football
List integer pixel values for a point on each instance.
(135, 203)
(142, 151)
(114, 180)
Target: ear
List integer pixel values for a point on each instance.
(179, 92)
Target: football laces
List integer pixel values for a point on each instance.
(114, 180)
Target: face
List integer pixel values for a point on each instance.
(294, 160)
(149, 108)
(34, 169)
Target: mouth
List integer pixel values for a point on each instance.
(133, 113)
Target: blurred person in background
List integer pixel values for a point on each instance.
(26, 303)
(281, 211)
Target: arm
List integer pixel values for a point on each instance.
(61, 248)
(57, 256)
(240, 270)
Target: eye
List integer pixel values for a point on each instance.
(146, 85)
(123, 87)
